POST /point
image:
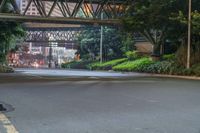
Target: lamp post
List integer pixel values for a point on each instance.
(189, 34)
(50, 52)
(101, 42)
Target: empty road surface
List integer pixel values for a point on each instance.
(130, 103)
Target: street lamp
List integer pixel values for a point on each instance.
(50, 52)
(101, 42)
(189, 34)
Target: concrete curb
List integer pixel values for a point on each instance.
(175, 76)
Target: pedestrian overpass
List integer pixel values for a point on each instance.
(59, 22)
(70, 11)
(40, 27)
(45, 34)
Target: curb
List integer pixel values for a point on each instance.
(175, 76)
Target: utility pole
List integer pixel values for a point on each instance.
(50, 55)
(101, 42)
(50, 52)
(189, 34)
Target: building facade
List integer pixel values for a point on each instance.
(32, 10)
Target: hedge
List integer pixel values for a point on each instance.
(6, 69)
(76, 64)
(133, 65)
(106, 65)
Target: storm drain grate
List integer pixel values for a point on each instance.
(5, 107)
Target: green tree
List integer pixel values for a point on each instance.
(152, 19)
(88, 41)
(9, 32)
(114, 43)
(127, 42)
(181, 18)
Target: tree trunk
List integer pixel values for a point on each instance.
(156, 49)
(156, 52)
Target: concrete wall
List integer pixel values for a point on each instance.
(144, 47)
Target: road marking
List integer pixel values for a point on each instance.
(7, 124)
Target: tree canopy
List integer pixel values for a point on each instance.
(9, 31)
(154, 19)
(114, 43)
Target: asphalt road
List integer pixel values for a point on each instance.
(132, 105)
(76, 73)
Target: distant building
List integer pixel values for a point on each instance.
(32, 10)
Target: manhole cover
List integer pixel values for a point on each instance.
(5, 107)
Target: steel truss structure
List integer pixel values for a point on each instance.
(59, 35)
(55, 36)
(71, 11)
(62, 35)
(50, 37)
(48, 44)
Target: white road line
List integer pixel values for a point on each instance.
(7, 124)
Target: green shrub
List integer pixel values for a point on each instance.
(106, 65)
(6, 69)
(68, 64)
(171, 67)
(159, 67)
(196, 69)
(76, 64)
(181, 55)
(2, 57)
(131, 55)
(136, 65)
(94, 66)
(167, 67)
(168, 57)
